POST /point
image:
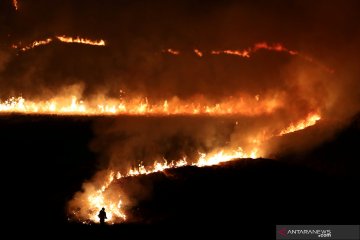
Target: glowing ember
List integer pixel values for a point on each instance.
(72, 105)
(172, 51)
(198, 52)
(81, 40)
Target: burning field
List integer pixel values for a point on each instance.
(157, 111)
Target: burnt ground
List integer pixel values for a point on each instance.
(45, 160)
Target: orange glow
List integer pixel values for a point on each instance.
(246, 105)
(81, 40)
(15, 4)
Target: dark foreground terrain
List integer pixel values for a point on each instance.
(46, 159)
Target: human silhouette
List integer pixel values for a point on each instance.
(102, 216)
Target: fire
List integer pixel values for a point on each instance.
(274, 47)
(240, 53)
(96, 200)
(15, 4)
(73, 105)
(198, 52)
(81, 40)
(171, 51)
(247, 52)
(309, 121)
(33, 45)
(62, 39)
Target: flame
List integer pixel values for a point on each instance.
(33, 45)
(73, 105)
(96, 200)
(278, 47)
(62, 39)
(171, 51)
(247, 52)
(81, 40)
(15, 4)
(198, 52)
(114, 207)
(309, 121)
(240, 53)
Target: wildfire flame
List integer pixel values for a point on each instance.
(309, 121)
(246, 53)
(64, 39)
(81, 40)
(33, 45)
(96, 200)
(240, 53)
(72, 105)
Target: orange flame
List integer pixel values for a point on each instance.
(72, 105)
(309, 121)
(81, 40)
(62, 39)
(246, 53)
(240, 53)
(96, 199)
(33, 45)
